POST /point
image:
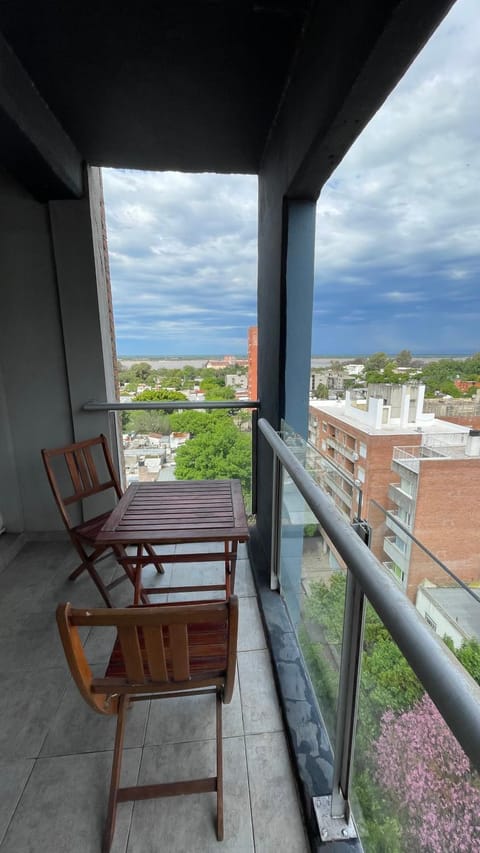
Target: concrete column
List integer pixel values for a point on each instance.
(298, 312)
(82, 279)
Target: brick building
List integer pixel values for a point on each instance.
(252, 362)
(424, 472)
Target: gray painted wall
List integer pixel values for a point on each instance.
(31, 359)
(51, 346)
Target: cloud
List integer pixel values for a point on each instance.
(183, 257)
(399, 223)
(397, 261)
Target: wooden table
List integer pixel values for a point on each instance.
(172, 513)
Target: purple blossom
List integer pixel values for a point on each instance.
(430, 782)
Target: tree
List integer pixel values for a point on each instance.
(222, 452)
(196, 422)
(376, 362)
(321, 392)
(219, 392)
(429, 781)
(404, 358)
(160, 394)
(149, 421)
(142, 371)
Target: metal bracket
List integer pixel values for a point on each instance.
(332, 828)
(363, 529)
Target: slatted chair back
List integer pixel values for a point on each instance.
(163, 651)
(159, 649)
(86, 469)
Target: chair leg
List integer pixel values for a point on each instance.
(152, 553)
(123, 705)
(219, 769)
(98, 583)
(77, 572)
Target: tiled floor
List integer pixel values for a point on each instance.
(55, 752)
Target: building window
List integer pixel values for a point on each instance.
(324, 426)
(360, 473)
(362, 449)
(430, 621)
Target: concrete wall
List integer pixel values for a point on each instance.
(31, 359)
(51, 347)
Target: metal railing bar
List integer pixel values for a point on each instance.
(168, 405)
(454, 692)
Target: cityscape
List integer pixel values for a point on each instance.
(386, 433)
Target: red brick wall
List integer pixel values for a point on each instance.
(252, 362)
(447, 521)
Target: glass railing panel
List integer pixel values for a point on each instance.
(449, 603)
(413, 787)
(310, 575)
(188, 445)
(331, 476)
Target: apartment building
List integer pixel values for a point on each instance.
(417, 475)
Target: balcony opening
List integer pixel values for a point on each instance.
(183, 256)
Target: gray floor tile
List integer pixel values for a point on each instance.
(64, 805)
(191, 718)
(198, 547)
(13, 778)
(250, 629)
(258, 694)
(27, 704)
(30, 643)
(188, 823)
(77, 728)
(244, 585)
(60, 804)
(277, 819)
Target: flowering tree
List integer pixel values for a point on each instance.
(430, 782)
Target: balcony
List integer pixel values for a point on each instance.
(399, 556)
(341, 448)
(391, 523)
(57, 352)
(411, 457)
(399, 497)
(57, 752)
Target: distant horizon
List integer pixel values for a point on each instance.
(219, 356)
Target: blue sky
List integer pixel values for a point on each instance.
(397, 261)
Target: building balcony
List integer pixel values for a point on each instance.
(396, 528)
(400, 557)
(411, 457)
(334, 482)
(401, 498)
(341, 448)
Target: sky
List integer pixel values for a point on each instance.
(397, 258)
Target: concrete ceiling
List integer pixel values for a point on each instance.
(182, 84)
(196, 85)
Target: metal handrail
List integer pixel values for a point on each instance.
(174, 405)
(452, 689)
(168, 405)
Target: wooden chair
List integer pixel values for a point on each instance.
(87, 468)
(162, 651)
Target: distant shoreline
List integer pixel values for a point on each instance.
(200, 360)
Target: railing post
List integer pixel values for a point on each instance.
(333, 813)
(276, 522)
(348, 690)
(254, 459)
